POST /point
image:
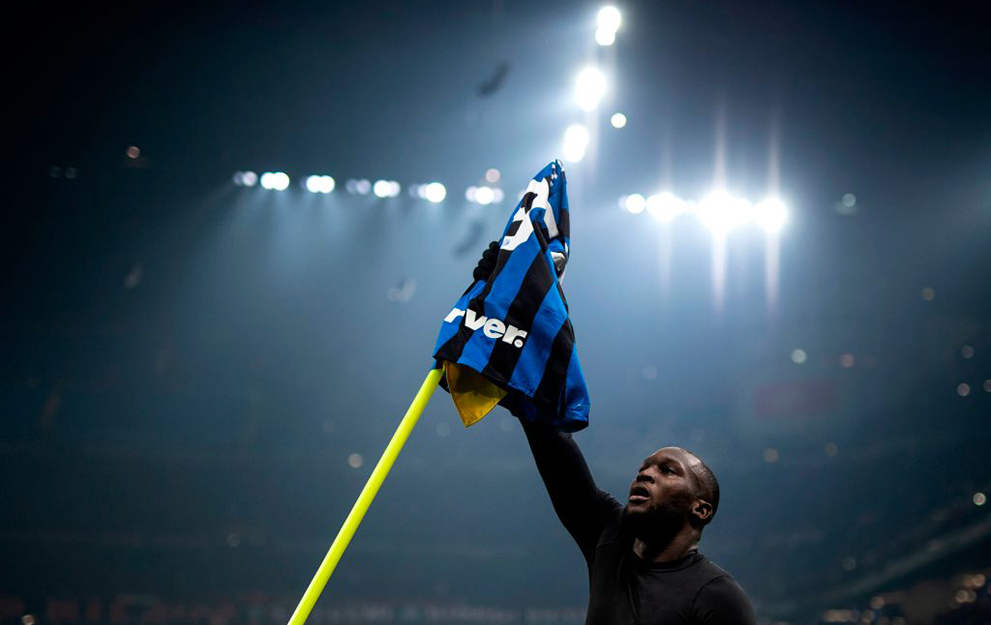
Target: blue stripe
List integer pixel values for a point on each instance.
(576, 401)
(507, 284)
(448, 330)
(530, 368)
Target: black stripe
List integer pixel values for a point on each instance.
(451, 350)
(549, 391)
(543, 230)
(536, 283)
(528, 199)
(537, 280)
(564, 224)
(513, 228)
(560, 292)
(476, 303)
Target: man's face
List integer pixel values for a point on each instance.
(665, 488)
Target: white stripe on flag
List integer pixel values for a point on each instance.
(542, 190)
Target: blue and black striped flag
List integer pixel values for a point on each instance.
(509, 339)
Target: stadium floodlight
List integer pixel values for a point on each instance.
(382, 188)
(470, 193)
(618, 120)
(590, 88)
(497, 195)
(665, 206)
(484, 195)
(575, 143)
(434, 192)
(320, 184)
(604, 36)
(275, 180)
(249, 178)
(609, 18)
(771, 214)
(635, 203)
(362, 187)
(721, 212)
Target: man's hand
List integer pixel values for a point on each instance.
(487, 264)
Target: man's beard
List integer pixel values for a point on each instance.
(663, 520)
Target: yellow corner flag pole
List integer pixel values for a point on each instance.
(365, 499)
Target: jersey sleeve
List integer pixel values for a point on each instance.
(722, 601)
(582, 507)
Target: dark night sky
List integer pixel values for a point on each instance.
(863, 92)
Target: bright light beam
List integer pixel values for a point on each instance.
(605, 37)
(609, 18)
(590, 88)
(721, 212)
(575, 143)
(771, 214)
(665, 206)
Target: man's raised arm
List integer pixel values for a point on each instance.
(582, 507)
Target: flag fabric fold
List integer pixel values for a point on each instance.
(509, 339)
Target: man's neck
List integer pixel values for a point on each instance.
(666, 549)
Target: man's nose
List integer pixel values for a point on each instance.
(643, 476)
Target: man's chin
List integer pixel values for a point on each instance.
(637, 509)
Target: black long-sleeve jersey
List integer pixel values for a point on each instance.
(623, 588)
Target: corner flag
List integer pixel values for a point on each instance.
(509, 340)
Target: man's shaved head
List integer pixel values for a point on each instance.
(707, 483)
(673, 483)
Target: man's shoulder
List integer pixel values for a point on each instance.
(710, 568)
(713, 577)
(720, 597)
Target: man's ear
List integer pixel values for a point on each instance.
(702, 510)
